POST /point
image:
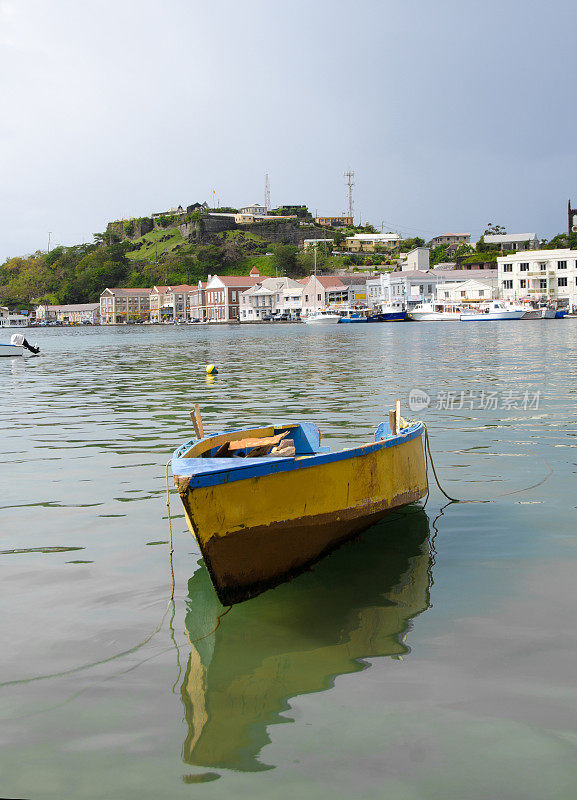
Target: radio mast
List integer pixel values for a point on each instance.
(266, 193)
(350, 181)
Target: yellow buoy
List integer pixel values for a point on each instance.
(211, 369)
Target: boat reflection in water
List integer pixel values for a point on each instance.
(358, 603)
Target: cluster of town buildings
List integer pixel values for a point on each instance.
(524, 274)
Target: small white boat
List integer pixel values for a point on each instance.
(491, 311)
(434, 312)
(18, 346)
(322, 315)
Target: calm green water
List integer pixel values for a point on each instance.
(435, 658)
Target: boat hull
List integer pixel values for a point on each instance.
(432, 316)
(256, 532)
(325, 320)
(389, 316)
(10, 351)
(492, 315)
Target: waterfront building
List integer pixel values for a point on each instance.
(169, 303)
(416, 286)
(119, 305)
(222, 295)
(323, 290)
(539, 275)
(452, 239)
(271, 296)
(368, 242)
(471, 291)
(197, 302)
(73, 314)
(334, 222)
(513, 241)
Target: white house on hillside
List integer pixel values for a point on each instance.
(513, 241)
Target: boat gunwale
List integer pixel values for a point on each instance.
(244, 469)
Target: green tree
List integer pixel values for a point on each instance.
(284, 259)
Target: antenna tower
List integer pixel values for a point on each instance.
(350, 181)
(266, 193)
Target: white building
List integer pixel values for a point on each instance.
(410, 287)
(539, 275)
(255, 210)
(472, 291)
(271, 296)
(415, 259)
(513, 241)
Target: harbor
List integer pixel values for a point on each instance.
(440, 629)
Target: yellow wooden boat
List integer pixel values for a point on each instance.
(265, 503)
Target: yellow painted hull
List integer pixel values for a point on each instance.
(256, 532)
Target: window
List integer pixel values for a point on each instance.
(481, 293)
(507, 284)
(561, 265)
(507, 268)
(447, 295)
(561, 281)
(524, 266)
(463, 294)
(542, 284)
(318, 297)
(523, 283)
(542, 267)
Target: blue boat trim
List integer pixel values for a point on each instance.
(215, 471)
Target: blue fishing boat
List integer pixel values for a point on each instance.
(351, 315)
(265, 503)
(388, 312)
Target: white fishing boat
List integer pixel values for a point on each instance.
(493, 310)
(18, 346)
(322, 315)
(434, 312)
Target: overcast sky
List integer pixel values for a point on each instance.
(451, 114)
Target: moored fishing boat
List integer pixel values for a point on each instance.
(353, 315)
(322, 315)
(265, 503)
(389, 312)
(493, 310)
(435, 312)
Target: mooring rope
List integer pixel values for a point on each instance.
(169, 528)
